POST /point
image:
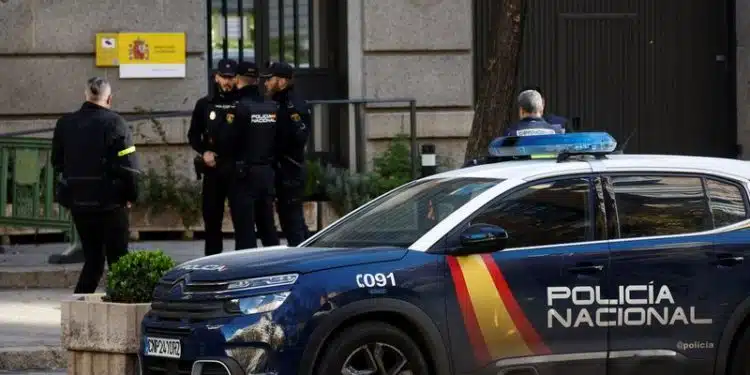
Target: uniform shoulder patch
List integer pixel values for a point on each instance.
(295, 117)
(230, 117)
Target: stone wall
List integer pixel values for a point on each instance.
(420, 49)
(47, 53)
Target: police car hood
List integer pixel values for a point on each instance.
(279, 260)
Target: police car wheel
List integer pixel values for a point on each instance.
(372, 348)
(738, 363)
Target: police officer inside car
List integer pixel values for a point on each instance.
(94, 155)
(257, 200)
(530, 111)
(294, 129)
(254, 152)
(210, 137)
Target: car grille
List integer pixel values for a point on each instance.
(198, 287)
(168, 332)
(162, 366)
(189, 311)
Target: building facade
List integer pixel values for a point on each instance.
(672, 78)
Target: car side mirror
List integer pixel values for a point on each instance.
(482, 238)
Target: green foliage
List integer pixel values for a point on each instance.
(315, 177)
(393, 167)
(168, 190)
(133, 277)
(164, 189)
(348, 190)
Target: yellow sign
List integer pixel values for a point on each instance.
(152, 55)
(107, 50)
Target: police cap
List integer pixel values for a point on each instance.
(279, 69)
(227, 67)
(247, 69)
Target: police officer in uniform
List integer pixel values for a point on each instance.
(560, 123)
(210, 137)
(530, 110)
(94, 158)
(294, 129)
(252, 198)
(254, 152)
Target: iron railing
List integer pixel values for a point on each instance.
(27, 182)
(361, 126)
(27, 186)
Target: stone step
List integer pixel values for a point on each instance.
(38, 358)
(48, 276)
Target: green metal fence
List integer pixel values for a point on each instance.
(27, 187)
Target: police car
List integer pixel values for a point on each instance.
(583, 261)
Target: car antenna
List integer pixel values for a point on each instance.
(620, 150)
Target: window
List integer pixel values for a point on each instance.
(289, 31)
(543, 214)
(727, 203)
(660, 205)
(261, 31)
(402, 217)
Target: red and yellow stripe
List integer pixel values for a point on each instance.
(495, 323)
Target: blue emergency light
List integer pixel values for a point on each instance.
(552, 145)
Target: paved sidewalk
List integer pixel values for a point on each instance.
(30, 318)
(35, 256)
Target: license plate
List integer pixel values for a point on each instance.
(159, 347)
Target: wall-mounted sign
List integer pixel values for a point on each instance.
(151, 55)
(106, 50)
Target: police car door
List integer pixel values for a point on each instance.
(527, 305)
(663, 292)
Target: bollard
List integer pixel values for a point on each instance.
(429, 161)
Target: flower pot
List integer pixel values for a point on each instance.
(101, 337)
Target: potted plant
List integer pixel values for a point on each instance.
(101, 332)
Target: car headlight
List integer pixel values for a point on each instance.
(263, 282)
(257, 304)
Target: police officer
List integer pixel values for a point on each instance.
(94, 157)
(560, 123)
(530, 111)
(254, 152)
(210, 137)
(294, 129)
(260, 201)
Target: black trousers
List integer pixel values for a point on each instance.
(251, 202)
(290, 190)
(214, 196)
(103, 235)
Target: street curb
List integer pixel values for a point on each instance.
(33, 358)
(41, 277)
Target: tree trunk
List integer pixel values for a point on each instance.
(494, 108)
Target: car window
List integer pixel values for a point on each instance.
(543, 214)
(727, 202)
(660, 205)
(402, 217)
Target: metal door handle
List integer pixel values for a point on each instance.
(586, 269)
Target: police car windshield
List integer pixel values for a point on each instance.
(406, 214)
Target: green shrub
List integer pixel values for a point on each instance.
(167, 190)
(393, 167)
(348, 190)
(133, 277)
(315, 176)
